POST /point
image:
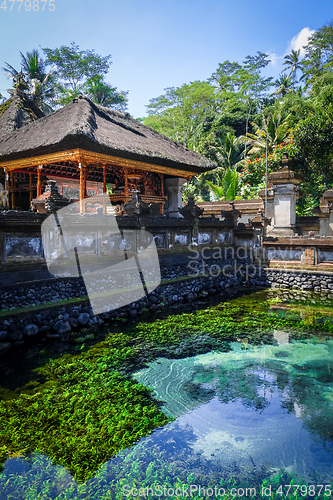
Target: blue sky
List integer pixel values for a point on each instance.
(158, 44)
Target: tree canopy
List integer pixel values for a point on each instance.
(66, 72)
(230, 116)
(80, 71)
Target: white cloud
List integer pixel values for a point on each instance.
(275, 59)
(299, 41)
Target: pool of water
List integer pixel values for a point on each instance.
(239, 417)
(267, 406)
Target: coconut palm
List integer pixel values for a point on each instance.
(103, 93)
(33, 78)
(228, 152)
(284, 85)
(292, 63)
(274, 128)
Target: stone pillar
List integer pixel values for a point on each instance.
(285, 187)
(269, 210)
(325, 214)
(174, 191)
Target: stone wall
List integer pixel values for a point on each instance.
(33, 313)
(311, 281)
(310, 251)
(42, 319)
(21, 240)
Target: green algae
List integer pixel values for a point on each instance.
(83, 409)
(85, 412)
(139, 468)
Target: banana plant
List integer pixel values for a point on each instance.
(227, 186)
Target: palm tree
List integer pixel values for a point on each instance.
(226, 187)
(292, 63)
(228, 152)
(274, 128)
(33, 78)
(103, 93)
(284, 85)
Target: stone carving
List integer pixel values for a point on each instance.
(136, 206)
(260, 220)
(232, 215)
(191, 210)
(173, 189)
(4, 200)
(50, 200)
(326, 201)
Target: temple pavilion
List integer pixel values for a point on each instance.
(86, 147)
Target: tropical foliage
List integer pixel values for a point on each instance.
(71, 71)
(231, 117)
(227, 187)
(82, 409)
(243, 111)
(33, 78)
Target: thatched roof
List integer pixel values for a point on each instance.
(16, 112)
(85, 125)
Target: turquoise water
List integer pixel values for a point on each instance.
(257, 407)
(243, 414)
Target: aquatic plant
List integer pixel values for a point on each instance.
(140, 468)
(84, 413)
(83, 409)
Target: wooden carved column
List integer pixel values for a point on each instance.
(83, 186)
(162, 184)
(12, 190)
(39, 186)
(6, 181)
(104, 179)
(104, 190)
(162, 193)
(126, 182)
(30, 188)
(126, 200)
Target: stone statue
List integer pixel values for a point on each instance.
(4, 200)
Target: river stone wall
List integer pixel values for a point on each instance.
(313, 281)
(62, 324)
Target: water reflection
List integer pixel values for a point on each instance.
(281, 337)
(268, 407)
(238, 414)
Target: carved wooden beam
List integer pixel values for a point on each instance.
(91, 157)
